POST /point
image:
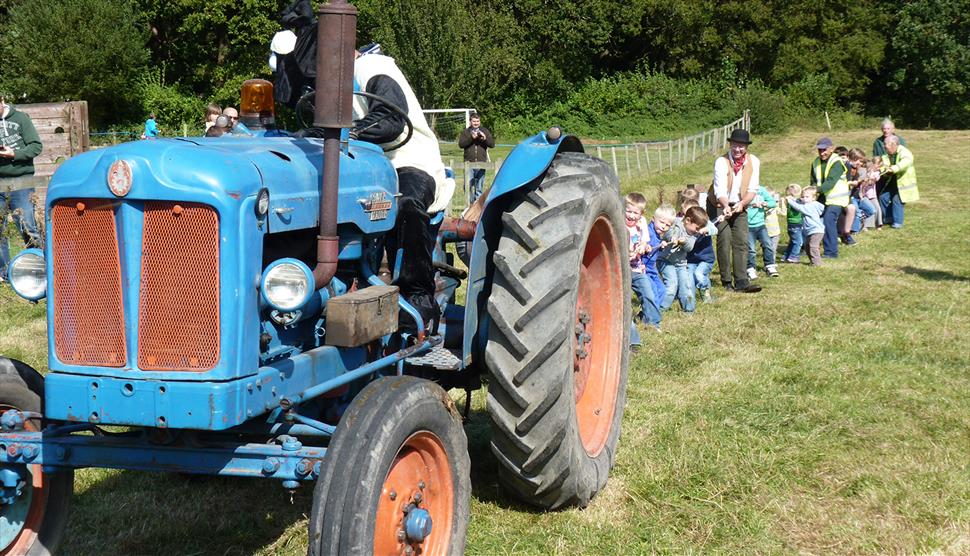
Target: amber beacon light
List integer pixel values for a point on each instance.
(256, 109)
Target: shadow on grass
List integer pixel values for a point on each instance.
(485, 484)
(164, 513)
(143, 513)
(935, 275)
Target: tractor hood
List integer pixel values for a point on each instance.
(225, 171)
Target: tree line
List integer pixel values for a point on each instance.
(519, 61)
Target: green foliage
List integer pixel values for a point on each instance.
(526, 62)
(930, 63)
(454, 52)
(212, 44)
(814, 92)
(173, 107)
(58, 50)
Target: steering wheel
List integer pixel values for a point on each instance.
(305, 107)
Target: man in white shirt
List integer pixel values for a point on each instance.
(736, 180)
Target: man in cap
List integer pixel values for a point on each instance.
(736, 179)
(830, 176)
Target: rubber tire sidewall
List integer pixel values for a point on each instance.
(380, 419)
(23, 387)
(530, 465)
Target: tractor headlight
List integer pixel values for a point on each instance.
(287, 284)
(28, 274)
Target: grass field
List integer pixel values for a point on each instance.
(829, 414)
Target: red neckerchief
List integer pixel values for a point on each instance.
(739, 163)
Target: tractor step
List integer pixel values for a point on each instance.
(440, 358)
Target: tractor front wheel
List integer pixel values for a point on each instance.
(559, 334)
(34, 522)
(395, 479)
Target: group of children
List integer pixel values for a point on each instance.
(672, 254)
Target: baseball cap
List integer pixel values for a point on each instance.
(824, 143)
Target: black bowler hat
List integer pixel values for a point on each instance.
(740, 136)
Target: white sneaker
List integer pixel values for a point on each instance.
(772, 270)
(752, 274)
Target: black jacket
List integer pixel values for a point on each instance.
(476, 148)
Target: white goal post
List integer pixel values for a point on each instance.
(448, 123)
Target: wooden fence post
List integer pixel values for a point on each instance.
(636, 150)
(616, 169)
(626, 155)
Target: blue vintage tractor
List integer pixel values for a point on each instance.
(217, 302)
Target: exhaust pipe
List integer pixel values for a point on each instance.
(333, 111)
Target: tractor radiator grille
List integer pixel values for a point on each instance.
(178, 327)
(89, 324)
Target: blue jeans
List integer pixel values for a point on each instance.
(649, 313)
(702, 274)
(892, 208)
(760, 234)
(678, 283)
(795, 237)
(865, 212)
(830, 241)
(24, 220)
(476, 184)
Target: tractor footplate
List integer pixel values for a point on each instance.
(440, 358)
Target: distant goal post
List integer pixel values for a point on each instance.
(448, 123)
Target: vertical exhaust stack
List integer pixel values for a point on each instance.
(333, 111)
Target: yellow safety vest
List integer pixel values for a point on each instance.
(905, 174)
(839, 193)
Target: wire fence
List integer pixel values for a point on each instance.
(634, 160)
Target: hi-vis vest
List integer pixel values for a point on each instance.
(905, 174)
(838, 194)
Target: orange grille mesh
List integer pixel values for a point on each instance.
(88, 316)
(178, 328)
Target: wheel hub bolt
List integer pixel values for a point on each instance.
(392, 495)
(421, 485)
(584, 317)
(418, 497)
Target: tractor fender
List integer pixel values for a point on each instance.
(525, 165)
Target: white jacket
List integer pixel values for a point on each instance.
(422, 150)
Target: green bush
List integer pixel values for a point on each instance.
(653, 106)
(174, 108)
(60, 50)
(769, 109)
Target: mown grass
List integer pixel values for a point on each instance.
(829, 414)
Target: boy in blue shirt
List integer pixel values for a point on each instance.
(758, 233)
(813, 228)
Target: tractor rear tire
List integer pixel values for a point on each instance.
(35, 524)
(558, 338)
(399, 448)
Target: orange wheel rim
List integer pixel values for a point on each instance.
(38, 505)
(419, 478)
(598, 336)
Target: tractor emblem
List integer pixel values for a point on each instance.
(377, 206)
